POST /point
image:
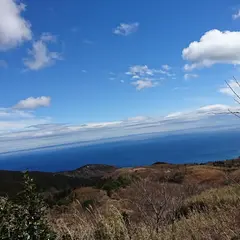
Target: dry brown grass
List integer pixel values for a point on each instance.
(200, 207)
(205, 174)
(220, 219)
(235, 176)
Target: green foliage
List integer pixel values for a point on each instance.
(88, 203)
(112, 185)
(64, 197)
(24, 218)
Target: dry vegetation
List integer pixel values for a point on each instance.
(162, 202)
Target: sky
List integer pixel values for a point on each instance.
(82, 70)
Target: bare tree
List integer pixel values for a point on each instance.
(236, 96)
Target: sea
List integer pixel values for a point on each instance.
(128, 152)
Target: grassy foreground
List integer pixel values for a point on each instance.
(155, 203)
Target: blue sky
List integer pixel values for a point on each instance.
(93, 64)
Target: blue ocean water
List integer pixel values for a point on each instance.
(174, 148)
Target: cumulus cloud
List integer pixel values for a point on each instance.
(214, 47)
(188, 76)
(33, 103)
(40, 56)
(144, 83)
(14, 29)
(126, 29)
(236, 15)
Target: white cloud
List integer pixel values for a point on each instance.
(14, 29)
(214, 47)
(140, 70)
(28, 132)
(126, 29)
(236, 15)
(84, 71)
(121, 81)
(204, 112)
(17, 120)
(188, 76)
(144, 83)
(8, 113)
(3, 64)
(40, 56)
(48, 37)
(146, 77)
(166, 67)
(227, 90)
(174, 115)
(33, 103)
(215, 108)
(137, 119)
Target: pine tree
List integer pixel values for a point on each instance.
(25, 218)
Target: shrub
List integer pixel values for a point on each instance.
(112, 185)
(24, 218)
(111, 227)
(177, 177)
(88, 204)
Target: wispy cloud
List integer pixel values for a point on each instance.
(12, 120)
(144, 83)
(188, 76)
(227, 90)
(40, 56)
(208, 51)
(236, 15)
(166, 67)
(145, 77)
(28, 132)
(14, 28)
(125, 29)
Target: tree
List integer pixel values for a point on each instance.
(24, 218)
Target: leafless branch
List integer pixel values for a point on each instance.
(234, 92)
(234, 113)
